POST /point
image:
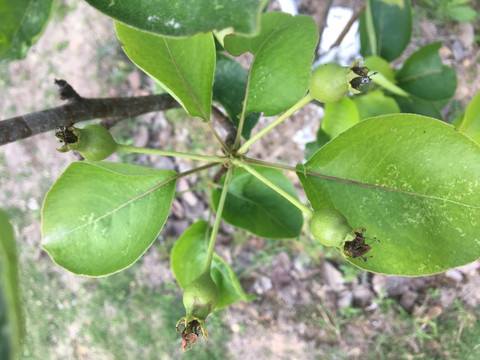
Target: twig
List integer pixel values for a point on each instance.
(347, 27)
(79, 109)
(323, 22)
(225, 122)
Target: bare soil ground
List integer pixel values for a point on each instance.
(303, 293)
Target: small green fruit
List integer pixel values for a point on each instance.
(95, 143)
(329, 83)
(201, 296)
(330, 228)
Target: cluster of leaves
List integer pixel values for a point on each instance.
(134, 213)
(387, 174)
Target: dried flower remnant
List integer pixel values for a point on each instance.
(67, 135)
(93, 142)
(199, 298)
(190, 337)
(358, 76)
(357, 247)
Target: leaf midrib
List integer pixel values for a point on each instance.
(386, 188)
(419, 76)
(180, 75)
(145, 193)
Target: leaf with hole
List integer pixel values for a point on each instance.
(412, 182)
(100, 217)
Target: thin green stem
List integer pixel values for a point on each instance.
(218, 218)
(301, 103)
(142, 150)
(193, 171)
(279, 190)
(215, 133)
(242, 117)
(270, 165)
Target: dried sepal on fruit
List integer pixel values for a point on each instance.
(68, 135)
(358, 76)
(357, 247)
(330, 82)
(93, 142)
(199, 298)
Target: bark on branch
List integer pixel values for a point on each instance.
(79, 109)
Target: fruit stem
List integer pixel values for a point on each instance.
(142, 150)
(218, 218)
(305, 209)
(301, 103)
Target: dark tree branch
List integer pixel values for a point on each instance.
(79, 109)
(347, 27)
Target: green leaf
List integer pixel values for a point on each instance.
(184, 67)
(385, 28)
(416, 105)
(424, 75)
(100, 217)
(253, 206)
(375, 103)
(312, 147)
(412, 182)
(184, 18)
(462, 13)
(229, 89)
(345, 113)
(280, 71)
(188, 260)
(469, 123)
(339, 116)
(22, 23)
(11, 322)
